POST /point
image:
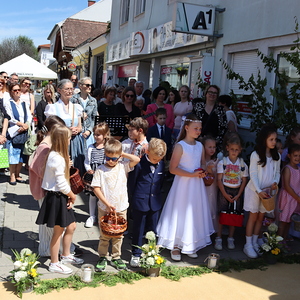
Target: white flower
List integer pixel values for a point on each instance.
(150, 235)
(17, 264)
(266, 247)
(272, 227)
(19, 275)
(150, 261)
(145, 247)
(279, 238)
(25, 252)
(153, 252)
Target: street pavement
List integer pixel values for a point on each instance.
(18, 212)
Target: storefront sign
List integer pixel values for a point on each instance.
(119, 51)
(195, 19)
(127, 71)
(139, 42)
(243, 107)
(165, 70)
(71, 66)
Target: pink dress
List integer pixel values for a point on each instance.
(287, 204)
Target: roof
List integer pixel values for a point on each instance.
(75, 32)
(43, 46)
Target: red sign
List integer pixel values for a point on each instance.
(243, 107)
(165, 70)
(127, 71)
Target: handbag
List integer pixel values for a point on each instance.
(4, 161)
(20, 139)
(231, 217)
(76, 181)
(29, 146)
(208, 179)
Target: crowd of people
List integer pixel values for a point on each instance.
(192, 141)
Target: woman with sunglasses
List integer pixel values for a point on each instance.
(127, 107)
(48, 97)
(89, 105)
(26, 96)
(160, 95)
(20, 118)
(71, 113)
(4, 94)
(212, 115)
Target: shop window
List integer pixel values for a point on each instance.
(139, 7)
(176, 75)
(125, 11)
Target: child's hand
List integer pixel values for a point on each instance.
(70, 162)
(229, 198)
(110, 208)
(263, 195)
(274, 186)
(199, 173)
(91, 172)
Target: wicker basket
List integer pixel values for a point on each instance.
(296, 219)
(87, 179)
(113, 225)
(269, 203)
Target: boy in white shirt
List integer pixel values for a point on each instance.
(110, 187)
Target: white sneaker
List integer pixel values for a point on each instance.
(192, 255)
(71, 259)
(256, 248)
(60, 268)
(230, 243)
(249, 251)
(89, 223)
(135, 261)
(218, 244)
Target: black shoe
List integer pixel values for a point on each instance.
(77, 252)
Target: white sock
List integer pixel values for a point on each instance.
(249, 240)
(54, 264)
(254, 239)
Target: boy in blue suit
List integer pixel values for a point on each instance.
(146, 202)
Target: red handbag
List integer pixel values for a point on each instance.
(231, 217)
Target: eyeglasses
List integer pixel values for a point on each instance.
(127, 96)
(114, 159)
(27, 83)
(212, 93)
(17, 90)
(87, 85)
(5, 77)
(68, 90)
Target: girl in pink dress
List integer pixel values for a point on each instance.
(289, 196)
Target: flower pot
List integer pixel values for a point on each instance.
(153, 272)
(271, 259)
(29, 288)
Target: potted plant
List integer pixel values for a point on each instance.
(273, 245)
(24, 275)
(151, 260)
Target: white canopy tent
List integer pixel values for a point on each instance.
(25, 66)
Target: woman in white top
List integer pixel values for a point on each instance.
(26, 96)
(226, 101)
(20, 118)
(71, 114)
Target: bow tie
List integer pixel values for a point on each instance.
(153, 165)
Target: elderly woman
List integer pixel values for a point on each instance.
(48, 97)
(160, 95)
(26, 96)
(71, 114)
(89, 105)
(20, 118)
(212, 115)
(127, 107)
(107, 107)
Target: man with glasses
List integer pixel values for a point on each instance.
(14, 78)
(74, 80)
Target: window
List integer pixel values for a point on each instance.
(125, 11)
(139, 7)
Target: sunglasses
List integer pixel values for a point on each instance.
(27, 83)
(212, 93)
(5, 77)
(17, 90)
(87, 85)
(127, 96)
(114, 159)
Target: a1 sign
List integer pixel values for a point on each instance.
(194, 19)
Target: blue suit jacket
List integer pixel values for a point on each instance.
(153, 132)
(146, 186)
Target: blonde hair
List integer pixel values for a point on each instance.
(157, 147)
(102, 128)
(187, 121)
(60, 143)
(113, 146)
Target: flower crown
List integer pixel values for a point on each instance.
(184, 119)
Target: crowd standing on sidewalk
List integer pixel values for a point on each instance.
(201, 154)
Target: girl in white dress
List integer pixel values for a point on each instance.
(185, 224)
(264, 172)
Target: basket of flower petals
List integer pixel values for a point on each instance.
(113, 225)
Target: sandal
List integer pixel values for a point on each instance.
(175, 256)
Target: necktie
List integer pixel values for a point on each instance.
(162, 133)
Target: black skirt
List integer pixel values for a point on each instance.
(54, 211)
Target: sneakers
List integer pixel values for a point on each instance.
(101, 264)
(249, 251)
(192, 255)
(90, 222)
(118, 263)
(59, 268)
(71, 259)
(218, 244)
(256, 248)
(135, 261)
(230, 243)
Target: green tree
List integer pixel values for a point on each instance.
(15, 46)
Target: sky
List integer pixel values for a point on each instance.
(35, 18)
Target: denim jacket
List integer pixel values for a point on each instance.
(90, 109)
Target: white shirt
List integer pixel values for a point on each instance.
(159, 129)
(20, 110)
(54, 176)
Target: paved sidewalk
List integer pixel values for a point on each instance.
(18, 212)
